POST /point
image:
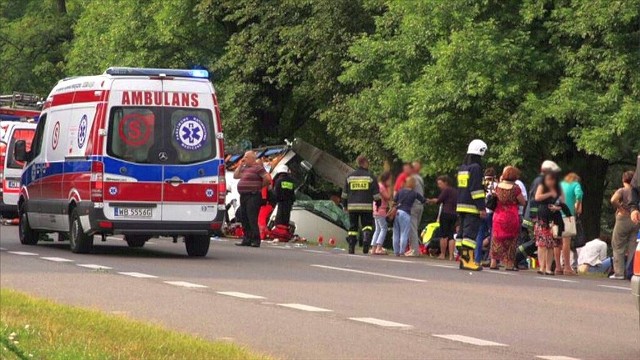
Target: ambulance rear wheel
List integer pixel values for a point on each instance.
(79, 242)
(197, 245)
(27, 235)
(136, 241)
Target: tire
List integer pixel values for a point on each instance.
(27, 235)
(197, 245)
(136, 241)
(79, 242)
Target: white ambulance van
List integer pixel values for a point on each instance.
(134, 151)
(11, 169)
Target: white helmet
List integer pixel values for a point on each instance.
(549, 165)
(477, 147)
(281, 168)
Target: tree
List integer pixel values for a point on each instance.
(435, 75)
(281, 63)
(143, 34)
(34, 39)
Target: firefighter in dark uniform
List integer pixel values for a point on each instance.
(471, 204)
(284, 193)
(359, 193)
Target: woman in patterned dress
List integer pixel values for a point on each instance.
(506, 220)
(550, 200)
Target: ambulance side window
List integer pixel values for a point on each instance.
(36, 145)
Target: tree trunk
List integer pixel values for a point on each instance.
(62, 7)
(593, 171)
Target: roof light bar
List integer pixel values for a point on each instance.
(128, 71)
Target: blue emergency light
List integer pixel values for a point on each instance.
(128, 71)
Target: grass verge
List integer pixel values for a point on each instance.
(32, 328)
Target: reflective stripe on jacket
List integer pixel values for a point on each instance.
(471, 193)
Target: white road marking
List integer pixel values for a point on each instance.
(186, 284)
(2, 249)
(24, 253)
(315, 251)
(95, 266)
(498, 272)
(555, 357)
(304, 307)
(56, 259)
(615, 287)
(398, 261)
(138, 275)
(469, 340)
(370, 273)
(240, 295)
(218, 239)
(443, 266)
(380, 322)
(555, 279)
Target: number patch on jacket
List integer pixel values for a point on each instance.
(359, 185)
(463, 180)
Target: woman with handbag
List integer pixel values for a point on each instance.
(548, 195)
(506, 220)
(573, 194)
(625, 230)
(380, 214)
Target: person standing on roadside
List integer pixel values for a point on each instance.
(253, 177)
(404, 201)
(407, 170)
(358, 195)
(448, 216)
(471, 204)
(506, 222)
(490, 185)
(416, 210)
(531, 212)
(380, 214)
(625, 230)
(635, 194)
(573, 195)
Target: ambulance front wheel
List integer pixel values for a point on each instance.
(79, 241)
(197, 245)
(136, 241)
(27, 235)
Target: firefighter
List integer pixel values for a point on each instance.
(284, 193)
(359, 193)
(471, 204)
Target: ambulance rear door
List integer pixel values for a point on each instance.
(133, 176)
(194, 160)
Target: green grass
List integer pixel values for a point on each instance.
(32, 328)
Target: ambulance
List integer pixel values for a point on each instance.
(135, 152)
(10, 168)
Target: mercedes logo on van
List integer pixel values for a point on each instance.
(163, 156)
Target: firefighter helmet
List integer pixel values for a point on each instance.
(477, 147)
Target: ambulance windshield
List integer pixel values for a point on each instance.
(161, 135)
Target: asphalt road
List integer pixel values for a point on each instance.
(314, 303)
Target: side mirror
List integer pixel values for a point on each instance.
(20, 152)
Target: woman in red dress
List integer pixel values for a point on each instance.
(506, 220)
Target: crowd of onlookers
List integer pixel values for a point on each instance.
(539, 223)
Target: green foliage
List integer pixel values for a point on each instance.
(142, 33)
(34, 39)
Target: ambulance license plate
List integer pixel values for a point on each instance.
(132, 212)
(12, 184)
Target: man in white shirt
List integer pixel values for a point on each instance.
(593, 257)
(526, 198)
